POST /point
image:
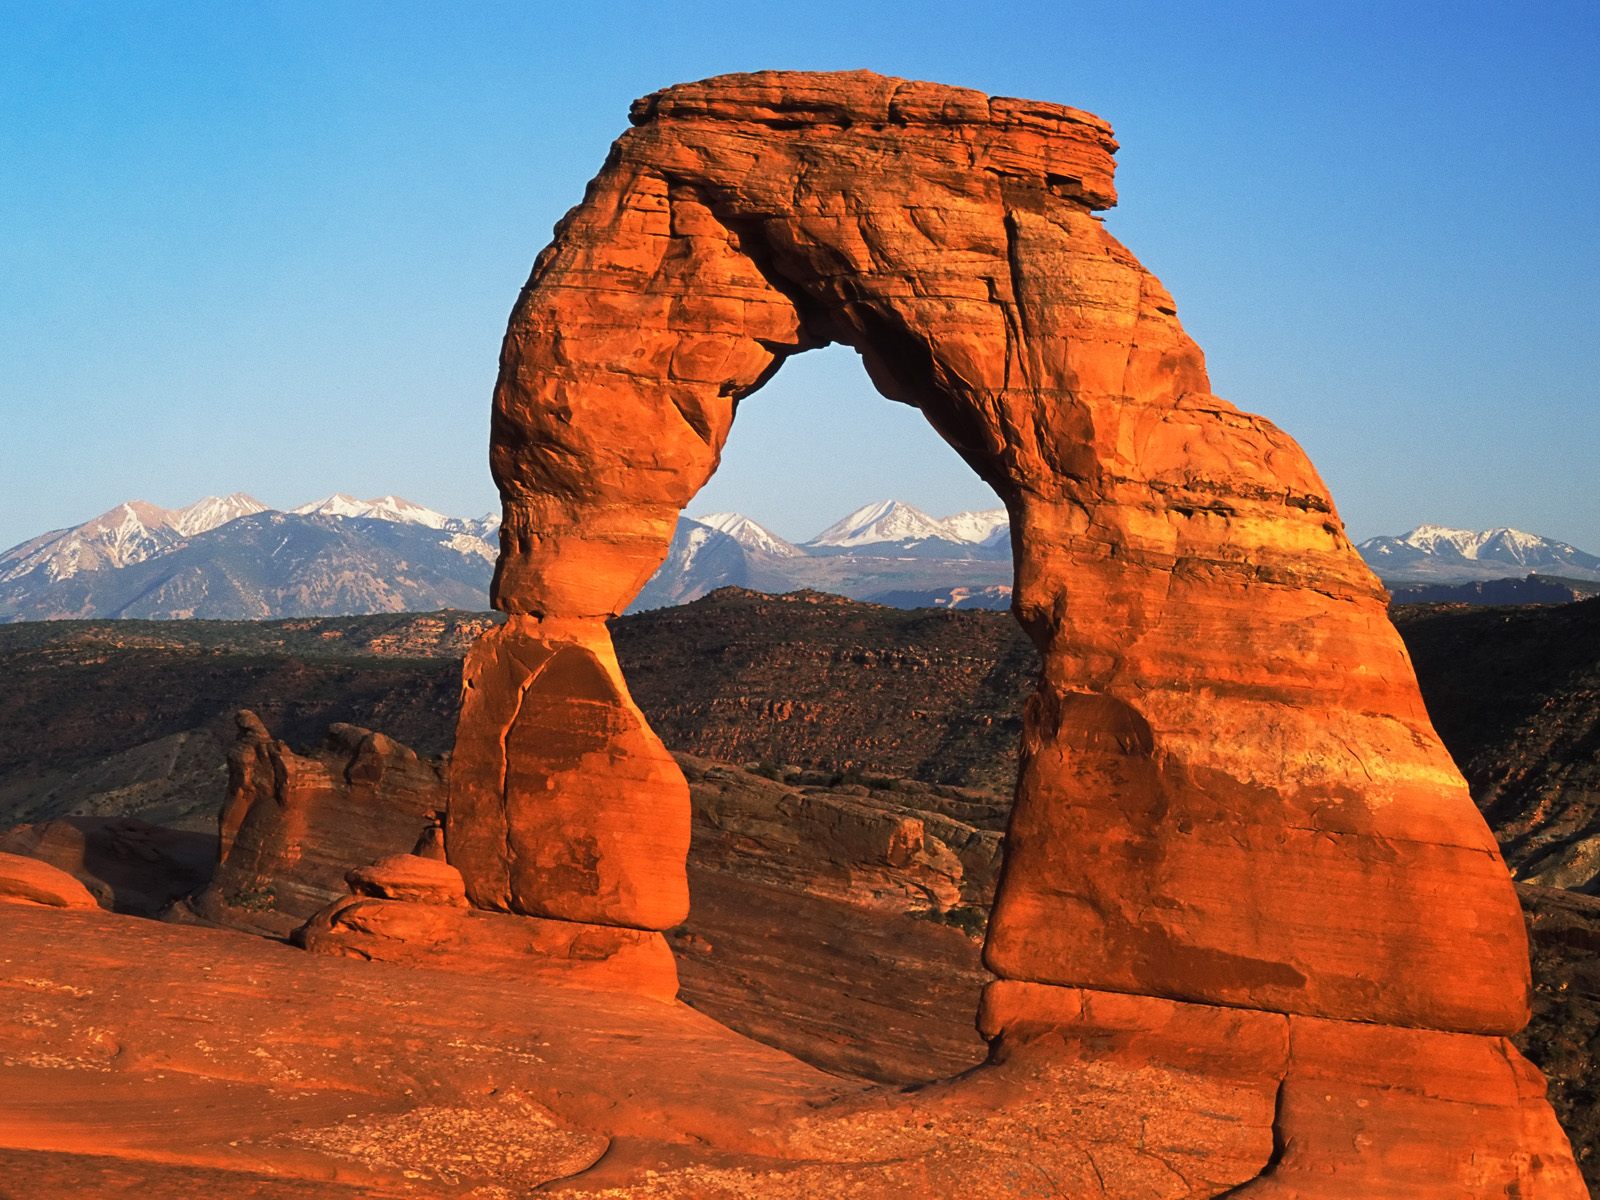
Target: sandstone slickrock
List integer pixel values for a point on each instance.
(31, 881)
(409, 877)
(466, 941)
(1230, 792)
(293, 824)
(412, 910)
(1434, 1114)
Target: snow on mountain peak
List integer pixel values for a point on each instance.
(340, 504)
(214, 511)
(984, 527)
(897, 521)
(881, 521)
(1438, 552)
(383, 508)
(1471, 543)
(748, 533)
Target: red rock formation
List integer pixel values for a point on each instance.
(410, 877)
(293, 824)
(563, 802)
(1230, 791)
(127, 865)
(413, 911)
(30, 881)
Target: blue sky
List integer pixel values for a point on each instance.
(272, 246)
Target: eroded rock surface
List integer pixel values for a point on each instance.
(128, 865)
(294, 824)
(563, 801)
(1230, 793)
(31, 881)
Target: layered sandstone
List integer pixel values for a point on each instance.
(294, 824)
(1230, 793)
(413, 911)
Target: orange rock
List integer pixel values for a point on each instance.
(126, 864)
(293, 824)
(501, 945)
(1367, 1110)
(1359, 1110)
(1230, 790)
(563, 802)
(30, 881)
(410, 877)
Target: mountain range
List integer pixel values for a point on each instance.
(887, 552)
(1437, 554)
(232, 557)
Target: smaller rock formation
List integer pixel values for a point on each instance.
(29, 881)
(431, 843)
(294, 824)
(413, 911)
(128, 865)
(410, 877)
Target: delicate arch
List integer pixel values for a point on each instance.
(1230, 791)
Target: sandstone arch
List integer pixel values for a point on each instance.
(1231, 797)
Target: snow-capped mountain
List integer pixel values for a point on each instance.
(887, 552)
(331, 556)
(233, 557)
(702, 558)
(990, 527)
(384, 508)
(895, 528)
(127, 534)
(749, 534)
(1432, 553)
(486, 527)
(270, 564)
(880, 521)
(213, 511)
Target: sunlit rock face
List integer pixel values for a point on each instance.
(294, 824)
(1230, 792)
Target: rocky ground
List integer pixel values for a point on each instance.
(1515, 694)
(837, 905)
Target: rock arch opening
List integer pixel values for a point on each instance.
(850, 766)
(1232, 812)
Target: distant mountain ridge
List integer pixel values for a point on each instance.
(1439, 554)
(887, 552)
(232, 557)
(127, 534)
(884, 524)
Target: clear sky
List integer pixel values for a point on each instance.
(271, 246)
